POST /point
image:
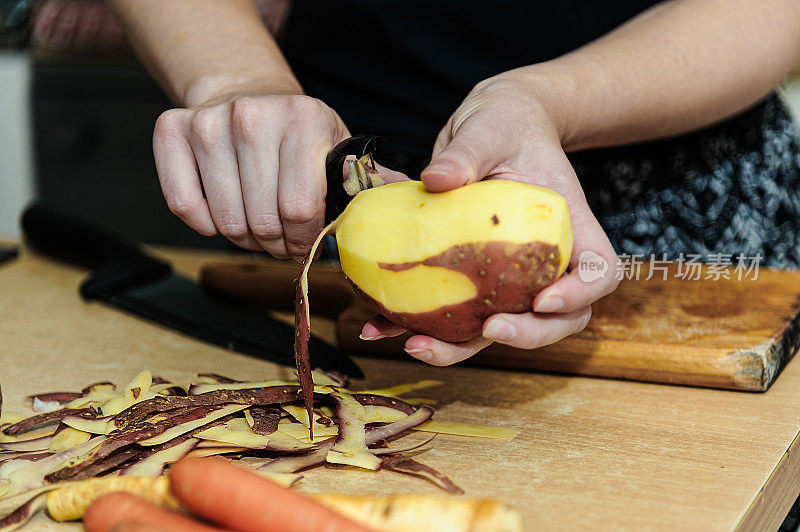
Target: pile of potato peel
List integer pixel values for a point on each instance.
(138, 431)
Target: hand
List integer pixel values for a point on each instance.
(504, 129)
(249, 167)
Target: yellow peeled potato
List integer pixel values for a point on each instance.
(441, 263)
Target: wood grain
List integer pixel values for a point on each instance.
(593, 454)
(717, 331)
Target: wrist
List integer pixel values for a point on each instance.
(556, 90)
(214, 89)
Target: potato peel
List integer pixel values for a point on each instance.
(154, 464)
(466, 429)
(302, 326)
(67, 438)
(137, 389)
(301, 415)
(400, 389)
(31, 423)
(299, 431)
(262, 420)
(216, 451)
(32, 476)
(350, 447)
(183, 428)
(197, 389)
(237, 432)
(164, 423)
(21, 515)
(94, 426)
(405, 464)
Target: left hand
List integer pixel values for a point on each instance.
(505, 129)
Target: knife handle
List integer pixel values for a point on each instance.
(271, 285)
(117, 261)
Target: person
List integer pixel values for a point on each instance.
(468, 91)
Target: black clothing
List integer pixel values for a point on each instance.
(399, 68)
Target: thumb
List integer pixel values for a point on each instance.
(464, 155)
(390, 176)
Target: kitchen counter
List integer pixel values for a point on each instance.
(591, 453)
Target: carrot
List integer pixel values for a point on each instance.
(234, 498)
(124, 511)
(138, 527)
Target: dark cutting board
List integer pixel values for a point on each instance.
(719, 333)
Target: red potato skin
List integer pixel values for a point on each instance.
(30, 423)
(265, 419)
(234, 498)
(123, 511)
(302, 335)
(20, 515)
(57, 397)
(123, 437)
(507, 276)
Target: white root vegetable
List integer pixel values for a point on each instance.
(70, 502)
(424, 513)
(394, 513)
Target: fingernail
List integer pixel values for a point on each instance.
(551, 303)
(440, 168)
(421, 354)
(500, 330)
(376, 337)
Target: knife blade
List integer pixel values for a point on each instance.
(124, 277)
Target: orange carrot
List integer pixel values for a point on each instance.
(234, 498)
(124, 511)
(138, 527)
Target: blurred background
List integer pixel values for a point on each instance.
(76, 119)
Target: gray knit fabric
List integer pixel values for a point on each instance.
(727, 190)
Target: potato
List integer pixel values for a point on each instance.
(441, 263)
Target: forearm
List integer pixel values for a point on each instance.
(678, 67)
(202, 51)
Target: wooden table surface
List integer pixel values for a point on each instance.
(591, 453)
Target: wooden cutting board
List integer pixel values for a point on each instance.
(717, 331)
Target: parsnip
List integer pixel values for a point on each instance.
(394, 513)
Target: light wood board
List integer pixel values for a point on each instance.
(592, 453)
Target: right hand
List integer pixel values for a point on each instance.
(251, 168)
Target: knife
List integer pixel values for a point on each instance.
(7, 253)
(124, 277)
